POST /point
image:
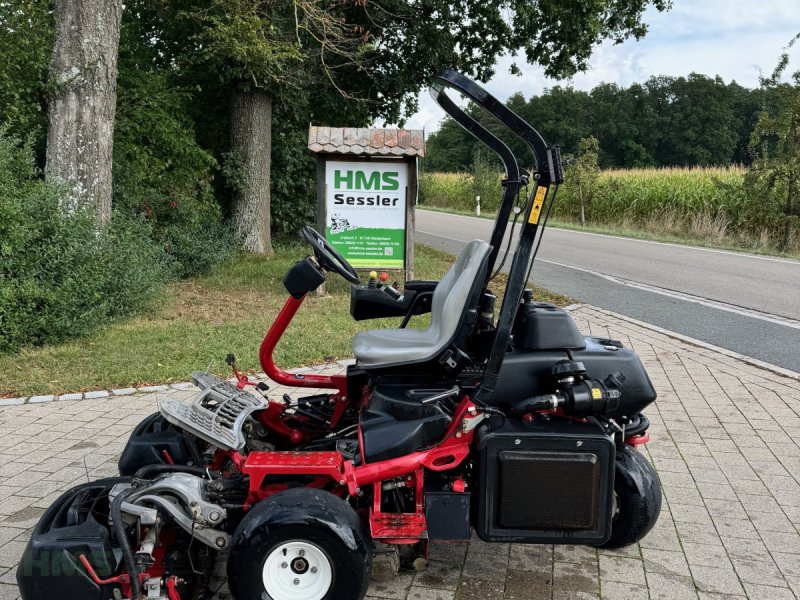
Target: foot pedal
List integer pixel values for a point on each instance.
(216, 414)
(388, 526)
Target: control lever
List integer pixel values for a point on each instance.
(441, 395)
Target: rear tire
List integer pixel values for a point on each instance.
(301, 544)
(637, 490)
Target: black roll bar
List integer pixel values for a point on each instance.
(515, 176)
(548, 173)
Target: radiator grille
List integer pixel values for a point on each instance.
(548, 490)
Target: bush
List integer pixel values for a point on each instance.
(58, 277)
(162, 174)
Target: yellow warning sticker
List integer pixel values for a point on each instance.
(596, 394)
(538, 202)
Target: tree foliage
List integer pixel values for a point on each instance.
(583, 172)
(665, 121)
(775, 143)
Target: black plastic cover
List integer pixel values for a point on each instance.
(447, 515)
(148, 442)
(303, 277)
(395, 423)
(50, 567)
(549, 481)
(527, 373)
(542, 326)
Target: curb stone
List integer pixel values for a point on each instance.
(124, 391)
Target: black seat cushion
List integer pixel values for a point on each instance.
(394, 424)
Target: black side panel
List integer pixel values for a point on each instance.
(395, 423)
(147, 444)
(73, 526)
(545, 482)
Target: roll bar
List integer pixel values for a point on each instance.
(549, 173)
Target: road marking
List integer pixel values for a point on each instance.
(628, 239)
(732, 308)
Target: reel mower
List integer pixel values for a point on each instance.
(509, 423)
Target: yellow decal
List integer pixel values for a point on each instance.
(596, 394)
(538, 202)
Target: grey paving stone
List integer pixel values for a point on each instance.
(670, 587)
(716, 580)
(614, 590)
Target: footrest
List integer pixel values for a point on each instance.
(398, 526)
(216, 414)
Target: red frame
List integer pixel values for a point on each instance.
(290, 307)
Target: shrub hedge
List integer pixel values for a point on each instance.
(58, 277)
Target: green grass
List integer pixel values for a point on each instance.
(198, 321)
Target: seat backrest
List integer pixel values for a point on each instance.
(453, 293)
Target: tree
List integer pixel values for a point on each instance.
(347, 62)
(775, 144)
(83, 75)
(584, 171)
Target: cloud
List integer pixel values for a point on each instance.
(735, 39)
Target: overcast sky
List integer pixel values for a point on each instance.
(731, 38)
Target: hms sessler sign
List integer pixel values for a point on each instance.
(366, 211)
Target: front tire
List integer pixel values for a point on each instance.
(637, 490)
(301, 544)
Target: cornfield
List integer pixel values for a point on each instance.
(695, 202)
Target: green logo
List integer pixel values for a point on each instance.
(359, 180)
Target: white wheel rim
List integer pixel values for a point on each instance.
(297, 570)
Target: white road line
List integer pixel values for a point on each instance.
(627, 239)
(732, 308)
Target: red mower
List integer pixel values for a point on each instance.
(517, 427)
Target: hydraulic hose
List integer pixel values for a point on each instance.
(124, 543)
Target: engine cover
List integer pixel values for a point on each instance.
(545, 481)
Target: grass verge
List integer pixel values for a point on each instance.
(198, 321)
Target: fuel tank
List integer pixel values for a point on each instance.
(527, 373)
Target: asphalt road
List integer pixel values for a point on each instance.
(746, 303)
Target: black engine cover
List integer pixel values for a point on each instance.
(72, 526)
(149, 441)
(549, 481)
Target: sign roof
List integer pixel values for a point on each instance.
(363, 140)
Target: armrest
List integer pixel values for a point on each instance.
(420, 285)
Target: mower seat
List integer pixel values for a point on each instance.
(460, 287)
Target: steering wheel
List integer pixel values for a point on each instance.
(328, 257)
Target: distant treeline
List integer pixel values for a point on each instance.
(667, 121)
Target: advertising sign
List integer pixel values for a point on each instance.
(365, 211)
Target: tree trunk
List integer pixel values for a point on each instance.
(251, 146)
(80, 134)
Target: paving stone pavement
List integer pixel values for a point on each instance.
(725, 442)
